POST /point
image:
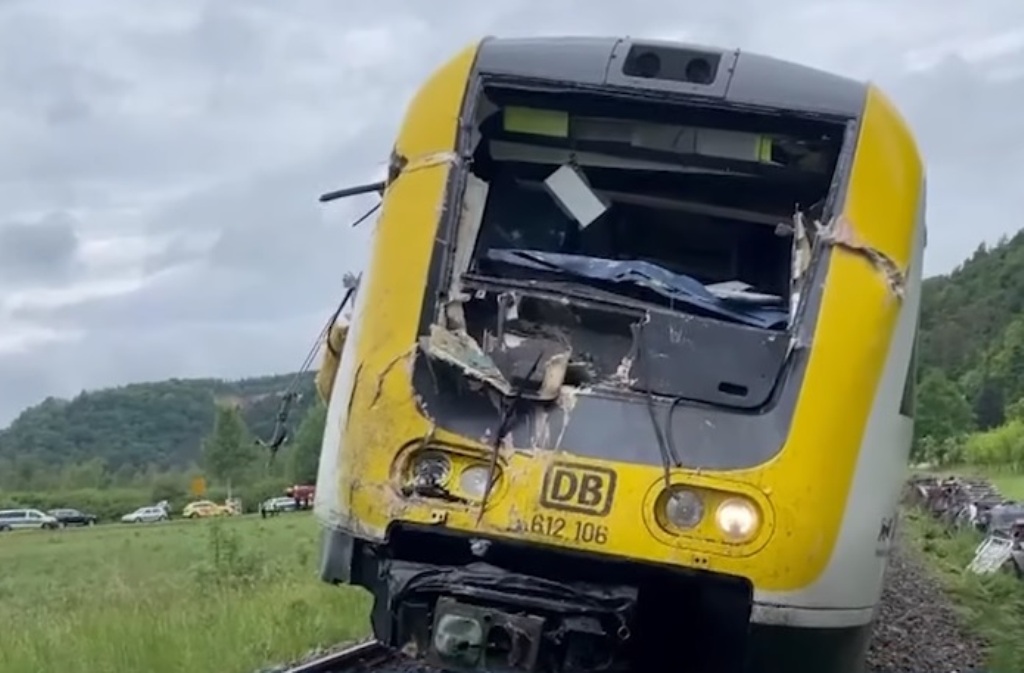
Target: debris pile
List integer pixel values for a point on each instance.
(962, 503)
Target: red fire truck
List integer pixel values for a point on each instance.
(303, 495)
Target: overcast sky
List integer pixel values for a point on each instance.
(160, 159)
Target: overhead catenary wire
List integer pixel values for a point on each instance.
(281, 434)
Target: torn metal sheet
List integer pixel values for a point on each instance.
(428, 160)
(801, 260)
(801, 246)
(521, 366)
(535, 366)
(473, 202)
(840, 232)
(990, 555)
(460, 350)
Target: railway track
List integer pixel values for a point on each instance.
(361, 657)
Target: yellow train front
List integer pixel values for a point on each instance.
(629, 380)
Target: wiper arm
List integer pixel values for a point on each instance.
(353, 191)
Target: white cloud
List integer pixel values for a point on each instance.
(58, 298)
(18, 339)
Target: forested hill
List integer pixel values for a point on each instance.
(144, 425)
(972, 343)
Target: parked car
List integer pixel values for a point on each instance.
(146, 515)
(17, 519)
(272, 506)
(73, 517)
(202, 509)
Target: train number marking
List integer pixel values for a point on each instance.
(576, 531)
(572, 487)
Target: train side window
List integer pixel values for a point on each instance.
(908, 401)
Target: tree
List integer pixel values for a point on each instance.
(304, 456)
(989, 405)
(1015, 411)
(228, 452)
(942, 410)
(168, 487)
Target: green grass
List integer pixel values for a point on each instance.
(1010, 485)
(992, 606)
(202, 596)
(237, 594)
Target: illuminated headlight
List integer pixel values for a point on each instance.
(737, 519)
(684, 509)
(473, 481)
(431, 469)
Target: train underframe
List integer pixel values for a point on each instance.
(472, 604)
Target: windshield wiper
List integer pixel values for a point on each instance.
(672, 286)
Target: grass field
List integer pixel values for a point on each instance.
(1010, 485)
(204, 597)
(237, 594)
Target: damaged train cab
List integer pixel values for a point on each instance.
(629, 378)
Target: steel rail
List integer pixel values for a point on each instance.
(362, 656)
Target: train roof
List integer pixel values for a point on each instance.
(732, 76)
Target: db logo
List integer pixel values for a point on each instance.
(578, 488)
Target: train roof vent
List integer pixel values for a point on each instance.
(676, 64)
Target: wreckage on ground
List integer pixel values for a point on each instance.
(972, 503)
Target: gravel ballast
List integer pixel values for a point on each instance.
(917, 629)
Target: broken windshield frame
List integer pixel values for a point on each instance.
(642, 278)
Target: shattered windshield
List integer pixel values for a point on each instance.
(694, 219)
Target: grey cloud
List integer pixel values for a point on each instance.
(276, 252)
(40, 252)
(153, 353)
(969, 135)
(33, 379)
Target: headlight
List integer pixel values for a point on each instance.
(473, 481)
(737, 518)
(431, 469)
(684, 509)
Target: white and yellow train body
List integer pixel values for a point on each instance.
(788, 442)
